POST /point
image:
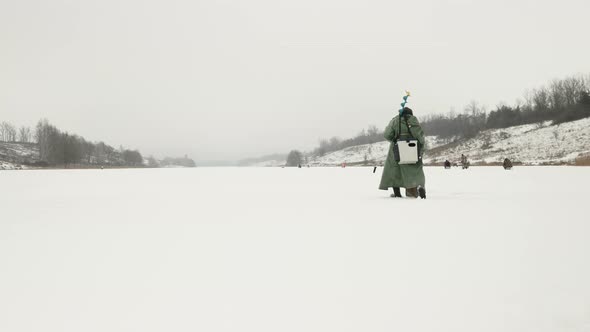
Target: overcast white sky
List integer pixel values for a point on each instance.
(223, 80)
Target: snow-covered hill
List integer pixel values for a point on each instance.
(369, 153)
(528, 144)
(14, 155)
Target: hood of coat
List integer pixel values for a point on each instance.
(407, 111)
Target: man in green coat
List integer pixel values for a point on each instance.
(409, 176)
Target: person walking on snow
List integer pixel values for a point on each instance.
(464, 161)
(409, 176)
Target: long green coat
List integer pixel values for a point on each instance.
(403, 176)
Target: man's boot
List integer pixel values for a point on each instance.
(422, 192)
(412, 192)
(396, 192)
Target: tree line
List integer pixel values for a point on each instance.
(57, 147)
(172, 162)
(61, 148)
(10, 133)
(559, 101)
(371, 135)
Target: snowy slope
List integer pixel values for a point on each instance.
(528, 144)
(372, 153)
(13, 155)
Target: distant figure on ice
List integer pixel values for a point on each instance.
(395, 175)
(464, 162)
(507, 164)
(447, 164)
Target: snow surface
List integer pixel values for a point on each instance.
(7, 166)
(311, 249)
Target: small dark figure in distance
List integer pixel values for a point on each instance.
(447, 164)
(507, 164)
(464, 162)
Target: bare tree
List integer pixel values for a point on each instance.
(335, 142)
(374, 134)
(557, 95)
(152, 162)
(87, 150)
(8, 132)
(100, 152)
(13, 133)
(373, 130)
(541, 100)
(3, 131)
(132, 157)
(474, 109)
(24, 134)
(528, 100)
(294, 158)
(324, 147)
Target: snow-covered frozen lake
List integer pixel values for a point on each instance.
(271, 249)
